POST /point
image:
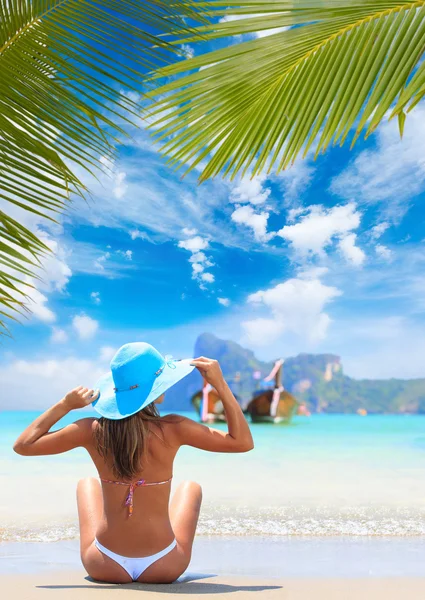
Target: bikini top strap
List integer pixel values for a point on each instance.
(155, 482)
(130, 497)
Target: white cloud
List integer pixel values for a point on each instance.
(208, 277)
(320, 226)
(197, 268)
(107, 352)
(250, 190)
(261, 332)
(85, 326)
(351, 252)
(157, 202)
(103, 263)
(87, 258)
(393, 172)
(189, 232)
(383, 252)
(95, 296)
(378, 230)
(188, 50)
(107, 163)
(59, 336)
(37, 303)
(224, 301)
(119, 184)
(194, 244)
(38, 384)
(295, 306)
(100, 261)
(245, 215)
(54, 272)
(199, 260)
(127, 254)
(294, 181)
(133, 96)
(312, 272)
(135, 234)
(117, 178)
(199, 257)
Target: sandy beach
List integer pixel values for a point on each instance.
(71, 585)
(353, 535)
(328, 569)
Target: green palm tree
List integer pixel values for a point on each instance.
(329, 70)
(63, 66)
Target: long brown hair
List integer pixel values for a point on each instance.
(124, 442)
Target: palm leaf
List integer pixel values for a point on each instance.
(332, 74)
(63, 66)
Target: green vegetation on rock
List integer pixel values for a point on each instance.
(316, 379)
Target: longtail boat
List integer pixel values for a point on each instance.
(208, 404)
(273, 405)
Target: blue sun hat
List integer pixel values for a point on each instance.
(139, 375)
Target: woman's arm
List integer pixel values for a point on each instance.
(36, 440)
(238, 437)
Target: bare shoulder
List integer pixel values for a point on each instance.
(172, 422)
(173, 419)
(85, 428)
(88, 423)
(174, 426)
(176, 421)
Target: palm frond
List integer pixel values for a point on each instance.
(331, 71)
(63, 65)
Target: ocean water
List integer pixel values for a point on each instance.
(325, 475)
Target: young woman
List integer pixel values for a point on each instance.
(128, 530)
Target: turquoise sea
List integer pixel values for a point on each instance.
(324, 475)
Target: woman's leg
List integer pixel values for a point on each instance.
(90, 509)
(184, 513)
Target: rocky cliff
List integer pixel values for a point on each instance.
(316, 379)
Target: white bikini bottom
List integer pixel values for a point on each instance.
(134, 566)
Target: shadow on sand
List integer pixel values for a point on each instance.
(187, 584)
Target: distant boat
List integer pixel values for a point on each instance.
(274, 405)
(208, 405)
(303, 411)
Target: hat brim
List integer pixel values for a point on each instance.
(118, 405)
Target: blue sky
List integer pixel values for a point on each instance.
(326, 257)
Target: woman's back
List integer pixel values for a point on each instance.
(148, 529)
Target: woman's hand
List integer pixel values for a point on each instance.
(210, 369)
(238, 437)
(80, 397)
